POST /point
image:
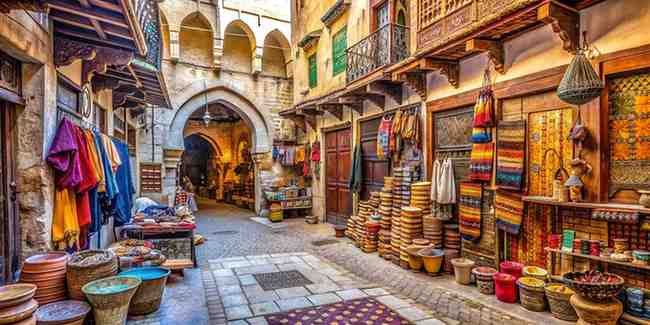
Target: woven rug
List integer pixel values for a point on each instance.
(366, 311)
(509, 210)
(511, 147)
(469, 210)
(480, 166)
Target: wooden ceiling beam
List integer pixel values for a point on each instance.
(386, 88)
(106, 5)
(494, 50)
(86, 12)
(135, 76)
(92, 39)
(77, 21)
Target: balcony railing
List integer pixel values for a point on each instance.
(387, 45)
(147, 13)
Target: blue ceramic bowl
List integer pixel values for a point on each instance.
(147, 273)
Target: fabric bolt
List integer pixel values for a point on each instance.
(124, 200)
(480, 166)
(446, 189)
(355, 173)
(509, 210)
(511, 150)
(88, 181)
(484, 109)
(109, 177)
(63, 156)
(300, 154)
(469, 210)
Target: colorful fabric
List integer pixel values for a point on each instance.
(124, 200)
(509, 210)
(446, 184)
(511, 149)
(65, 223)
(484, 109)
(469, 210)
(480, 166)
(63, 156)
(481, 135)
(367, 311)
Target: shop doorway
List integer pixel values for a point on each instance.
(9, 228)
(338, 148)
(374, 168)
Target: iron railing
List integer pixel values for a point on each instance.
(387, 45)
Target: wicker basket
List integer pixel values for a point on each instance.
(532, 296)
(78, 275)
(559, 304)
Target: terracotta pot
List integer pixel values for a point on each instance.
(644, 198)
(16, 294)
(339, 231)
(463, 270)
(415, 261)
(432, 259)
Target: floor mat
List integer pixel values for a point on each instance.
(366, 311)
(281, 280)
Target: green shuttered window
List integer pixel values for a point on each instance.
(313, 71)
(339, 56)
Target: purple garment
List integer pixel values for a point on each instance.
(63, 156)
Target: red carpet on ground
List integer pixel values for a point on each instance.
(366, 311)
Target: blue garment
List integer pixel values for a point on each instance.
(109, 177)
(124, 200)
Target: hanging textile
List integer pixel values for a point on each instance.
(300, 154)
(315, 151)
(469, 210)
(124, 200)
(481, 135)
(511, 150)
(65, 223)
(435, 178)
(484, 108)
(383, 137)
(63, 156)
(355, 173)
(480, 166)
(446, 189)
(509, 210)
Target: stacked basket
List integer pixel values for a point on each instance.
(452, 245)
(88, 266)
(411, 228)
(432, 229)
(421, 197)
(385, 211)
(351, 229)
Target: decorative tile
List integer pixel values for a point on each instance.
(324, 299)
(287, 293)
(238, 312)
(293, 303)
(376, 292)
(351, 294)
(264, 308)
(233, 300)
(282, 279)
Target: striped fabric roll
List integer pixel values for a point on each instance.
(480, 166)
(509, 210)
(511, 147)
(469, 213)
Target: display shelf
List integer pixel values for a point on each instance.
(598, 258)
(586, 205)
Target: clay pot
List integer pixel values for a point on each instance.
(644, 198)
(339, 231)
(415, 260)
(463, 270)
(16, 294)
(432, 259)
(45, 263)
(11, 315)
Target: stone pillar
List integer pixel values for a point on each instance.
(257, 59)
(174, 43)
(217, 52)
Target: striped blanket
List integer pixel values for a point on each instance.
(480, 166)
(509, 209)
(469, 213)
(511, 147)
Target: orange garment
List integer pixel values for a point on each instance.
(88, 180)
(65, 224)
(97, 162)
(112, 153)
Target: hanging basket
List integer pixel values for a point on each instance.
(580, 83)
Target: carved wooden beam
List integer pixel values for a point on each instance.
(104, 57)
(391, 90)
(67, 51)
(494, 51)
(451, 70)
(311, 121)
(31, 5)
(299, 121)
(101, 82)
(334, 109)
(564, 21)
(417, 81)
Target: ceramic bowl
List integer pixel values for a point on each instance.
(15, 294)
(43, 263)
(598, 291)
(11, 315)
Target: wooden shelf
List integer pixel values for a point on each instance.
(586, 205)
(598, 258)
(633, 319)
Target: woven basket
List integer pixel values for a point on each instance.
(532, 297)
(580, 83)
(78, 275)
(559, 304)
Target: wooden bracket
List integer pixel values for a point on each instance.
(104, 57)
(311, 121)
(67, 51)
(417, 81)
(494, 51)
(299, 121)
(386, 88)
(334, 109)
(101, 82)
(353, 102)
(564, 21)
(449, 69)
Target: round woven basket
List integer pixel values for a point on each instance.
(79, 274)
(532, 297)
(559, 304)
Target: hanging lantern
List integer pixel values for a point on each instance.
(580, 83)
(206, 117)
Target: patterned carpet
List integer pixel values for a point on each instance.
(366, 311)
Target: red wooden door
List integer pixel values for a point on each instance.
(338, 164)
(373, 168)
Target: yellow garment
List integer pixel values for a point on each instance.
(65, 223)
(300, 154)
(112, 153)
(97, 161)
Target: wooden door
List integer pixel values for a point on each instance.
(373, 168)
(10, 241)
(338, 167)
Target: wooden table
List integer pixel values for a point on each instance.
(172, 232)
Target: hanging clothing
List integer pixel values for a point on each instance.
(65, 223)
(63, 156)
(315, 151)
(111, 187)
(509, 211)
(446, 190)
(96, 160)
(111, 152)
(355, 173)
(124, 200)
(300, 154)
(383, 137)
(480, 165)
(88, 181)
(435, 178)
(275, 153)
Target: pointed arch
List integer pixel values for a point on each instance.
(164, 30)
(196, 39)
(276, 52)
(238, 47)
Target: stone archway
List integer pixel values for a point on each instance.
(194, 97)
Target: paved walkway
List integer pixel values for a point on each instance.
(237, 248)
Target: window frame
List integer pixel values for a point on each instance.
(312, 83)
(344, 54)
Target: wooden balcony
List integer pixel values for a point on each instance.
(386, 46)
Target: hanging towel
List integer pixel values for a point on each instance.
(480, 166)
(446, 183)
(511, 146)
(435, 176)
(124, 200)
(355, 173)
(509, 210)
(469, 210)
(96, 160)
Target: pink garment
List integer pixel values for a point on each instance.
(63, 156)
